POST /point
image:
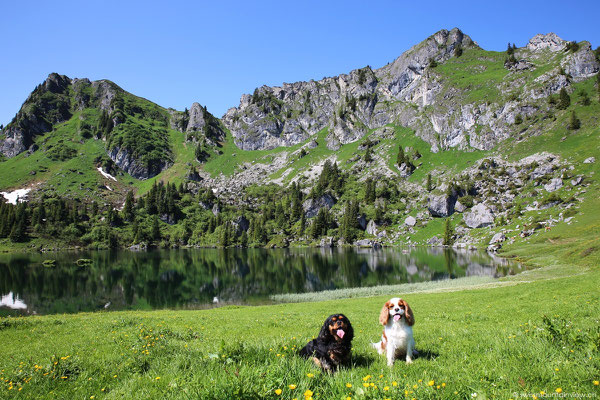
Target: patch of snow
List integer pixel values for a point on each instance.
(106, 174)
(19, 194)
(12, 302)
(108, 187)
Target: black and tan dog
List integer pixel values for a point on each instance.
(333, 345)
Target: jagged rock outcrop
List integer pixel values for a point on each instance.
(441, 205)
(134, 167)
(401, 92)
(348, 105)
(47, 105)
(200, 120)
(312, 206)
(479, 216)
(549, 41)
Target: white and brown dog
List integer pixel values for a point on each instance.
(397, 337)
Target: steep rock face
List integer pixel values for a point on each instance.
(549, 41)
(134, 167)
(348, 104)
(411, 92)
(200, 120)
(47, 105)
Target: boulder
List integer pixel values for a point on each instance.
(326, 242)
(459, 207)
(312, 206)
(589, 160)
(441, 205)
(435, 241)
(372, 228)
(364, 243)
(410, 221)
(498, 238)
(479, 216)
(553, 185)
(576, 181)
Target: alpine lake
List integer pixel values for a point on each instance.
(70, 282)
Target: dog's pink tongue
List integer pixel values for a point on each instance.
(340, 333)
(397, 317)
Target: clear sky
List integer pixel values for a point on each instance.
(178, 52)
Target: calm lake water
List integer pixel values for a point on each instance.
(199, 278)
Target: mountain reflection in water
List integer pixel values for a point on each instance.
(197, 278)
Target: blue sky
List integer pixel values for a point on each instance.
(178, 52)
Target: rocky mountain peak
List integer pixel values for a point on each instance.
(549, 41)
(56, 83)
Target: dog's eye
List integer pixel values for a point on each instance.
(334, 318)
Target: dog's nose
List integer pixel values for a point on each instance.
(396, 309)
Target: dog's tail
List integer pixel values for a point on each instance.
(378, 346)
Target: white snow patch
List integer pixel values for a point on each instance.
(19, 194)
(106, 174)
(12, 302)
(108, 187)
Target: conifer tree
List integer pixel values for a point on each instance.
(564, 100)
(155, 229)
(401, 157)
(448, 233)
(128, 213)
(574, 122)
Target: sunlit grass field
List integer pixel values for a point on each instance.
(531, 334)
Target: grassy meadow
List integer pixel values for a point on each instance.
(535, 333)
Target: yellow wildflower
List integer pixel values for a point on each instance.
(431, 383)
(278, 391)
(558, 390)
(292, 387)
(310, 376)
(349, 385)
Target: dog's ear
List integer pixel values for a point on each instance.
(325, 334)
(385, 313)
(410, 317)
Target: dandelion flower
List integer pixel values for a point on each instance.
(157, 378)
(308, 393)
(310, 376)
(366, 384)
(349, 385)
(431, 383)
(558, 390)
(596, 383)
(292, 387)
(386, 388)
(278, 391)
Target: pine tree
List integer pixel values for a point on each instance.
(401, 157)
(574, 122)
(585, 100)
(368, 157)
(509, 49)
(564, 100)
(369, 191)
(302, 224)
(448, 233)
(155, 229)
(429, 183)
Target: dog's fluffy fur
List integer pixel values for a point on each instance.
(329, 350)
(397, 338)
